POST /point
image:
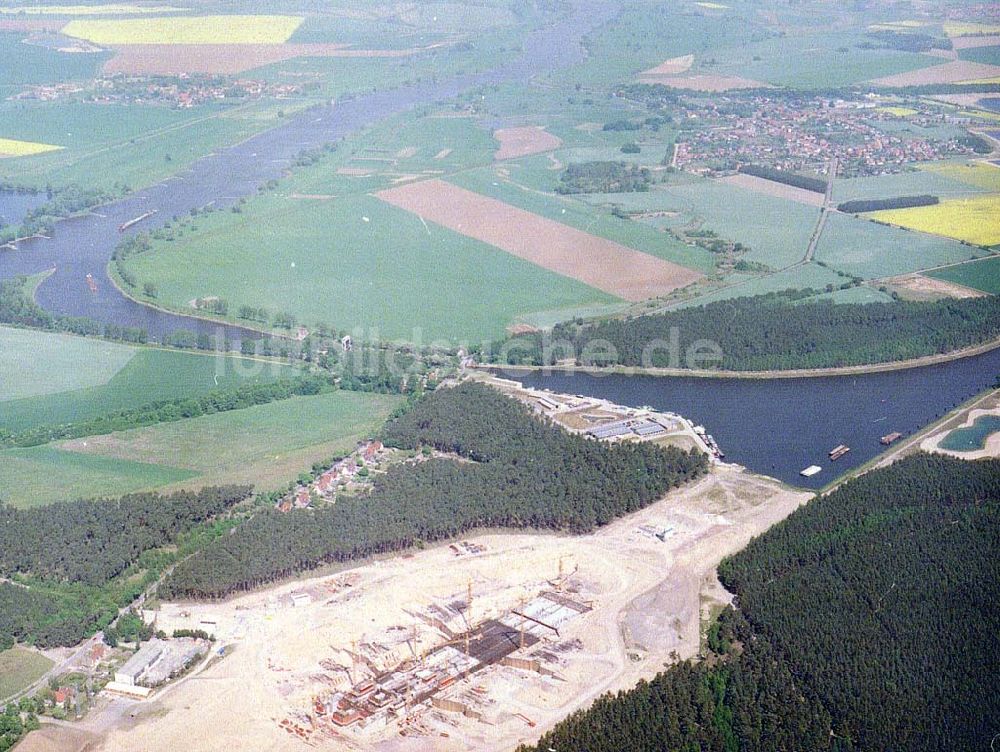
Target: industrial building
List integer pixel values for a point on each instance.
(138, 665)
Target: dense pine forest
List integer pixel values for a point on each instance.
(777, 331)
(63, 558)
(867, 620)
(519, 472)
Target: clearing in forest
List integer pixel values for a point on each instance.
(603, 264)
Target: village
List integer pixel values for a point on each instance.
(865, 136)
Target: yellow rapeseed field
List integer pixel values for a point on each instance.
(980, 174)
(186, 30)
(957, 28)
(976, 220)
(87, 10)
(11, 148)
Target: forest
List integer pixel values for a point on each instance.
(777, 331)
(901, 202)
(519, 472)
(63, 564)
(603, 177)
(816, 185)
(867, 620)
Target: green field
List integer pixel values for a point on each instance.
(742, 215)
(267, 445)
(109, 145)
(576, 213)
(20, 668)
(34, 363)
(989, 55)
(817, 59)
(150, 375)
(390, 277)
(44, 475)
(22, 64)
(872, 251)
(916, 183)
(797, 277)
(980, 275)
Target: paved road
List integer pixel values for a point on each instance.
(824, 210)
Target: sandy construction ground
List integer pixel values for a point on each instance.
(991, 447)
(923, 288)
(524, 141)
(704, 82)
(986, 40)
(225, 58)
(947, 73)
(647, 596)
(772, 188)
(608, 266)
(671, 67)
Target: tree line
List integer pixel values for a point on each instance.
(860, 206)
(777, 331)
(814, 184)
(520, 472)
(865, 621)
(169, 410)
(603, 177)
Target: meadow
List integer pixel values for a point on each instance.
(356, 263)
(975, 220)
(110, 145)
(980, 275)
(230, 29)
(872, 251)
(795, 278)
(19, 668)
(981, 175)
(940, 180)
(150, 375)
(267, 445)
(22, 64)
(34, 363)
(45, 474)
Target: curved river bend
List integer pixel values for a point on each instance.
(776, 427)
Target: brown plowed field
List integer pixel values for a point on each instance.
(964, 43)
(957, 70)
(772, 188)
(225, 58)
(608, 266)
(670, 67)
(521, 142)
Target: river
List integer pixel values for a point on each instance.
(777, 427)
(83, 245)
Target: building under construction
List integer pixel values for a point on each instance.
(423, 680)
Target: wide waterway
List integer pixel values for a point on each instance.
(84, 245)
(780, 426)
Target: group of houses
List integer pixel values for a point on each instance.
(341, 474)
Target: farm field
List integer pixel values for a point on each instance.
(872, 251)
(818, 59)
(616, 269)
(44, 475)
(975, 220)
(955, 71)
(32, 64)
(150, 375)
(11, 148)
(110, 145)
(19, 668)
(982, 175)
(796, 278)
(383, 273)
(737, 214)
(988, 55)
(34, 363)
(936, 180)
(109, 9)
(229, 29)
(267, 445)
(980, 275)
(513, 182)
